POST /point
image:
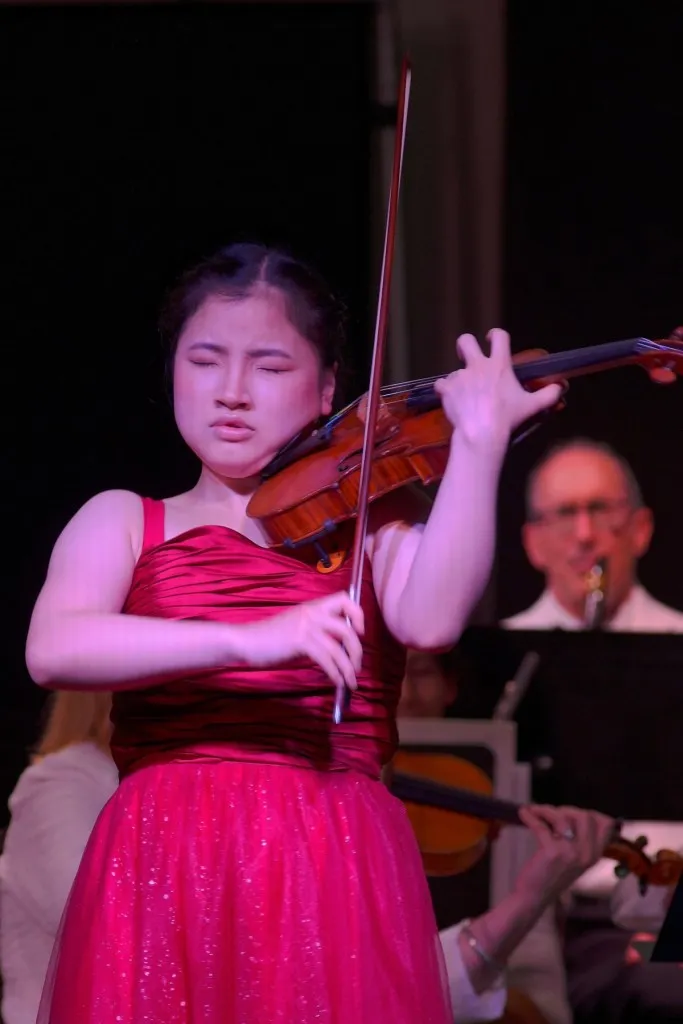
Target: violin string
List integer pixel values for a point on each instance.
(393, 394)
(409, 384)
(557, 361)
(390, 390)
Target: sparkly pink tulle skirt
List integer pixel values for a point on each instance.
(235, 893)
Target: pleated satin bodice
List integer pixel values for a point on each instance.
(281, 714)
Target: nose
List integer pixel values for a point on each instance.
(234, 393)
(584, 527)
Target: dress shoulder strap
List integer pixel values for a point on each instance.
(153, 532)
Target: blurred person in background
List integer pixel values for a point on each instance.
(585, 509)
(54, 807)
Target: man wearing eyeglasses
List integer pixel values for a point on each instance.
(585, 512)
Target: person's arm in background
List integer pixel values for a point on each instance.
(477, 953)
(470, 1005)
(54, 811)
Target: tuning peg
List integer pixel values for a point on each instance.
(641, 842)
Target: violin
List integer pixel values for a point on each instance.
(455, 819)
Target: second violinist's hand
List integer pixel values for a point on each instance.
(559, 862)
(484, 401)
(318, 630)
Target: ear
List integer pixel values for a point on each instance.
(329, 383)
(642, 528)
(532, 540)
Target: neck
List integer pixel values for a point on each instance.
(224, 500)
(213, 489)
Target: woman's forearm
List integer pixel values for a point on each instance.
(116, 651)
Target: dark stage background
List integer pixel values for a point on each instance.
(595, 244)
(135, 140)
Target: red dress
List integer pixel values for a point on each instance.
(251, 868)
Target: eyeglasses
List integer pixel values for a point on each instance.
(605, 515)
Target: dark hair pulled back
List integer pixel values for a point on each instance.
(236, 272)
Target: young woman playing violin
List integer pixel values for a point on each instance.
(252, 867)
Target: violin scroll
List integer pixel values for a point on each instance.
(665, 365)
(664, 869)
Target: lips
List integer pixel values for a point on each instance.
(231, 421)
(583, 564)
(232, 429)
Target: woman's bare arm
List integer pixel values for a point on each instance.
(78, 637)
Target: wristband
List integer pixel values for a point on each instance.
(475, 946)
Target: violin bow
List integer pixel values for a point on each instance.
(378, 352)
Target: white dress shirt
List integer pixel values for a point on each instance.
(536, 967)
(639, 613)
(468, 1006)
(54, 807)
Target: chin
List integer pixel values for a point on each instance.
(238, 471)
(243, 466)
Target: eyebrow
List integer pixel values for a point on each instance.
(571, 506)
(255, 353)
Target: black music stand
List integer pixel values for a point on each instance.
(602, 719)
(668, 948)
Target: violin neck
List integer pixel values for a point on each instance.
(574, 363)
(580, 361)
(417, 790)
